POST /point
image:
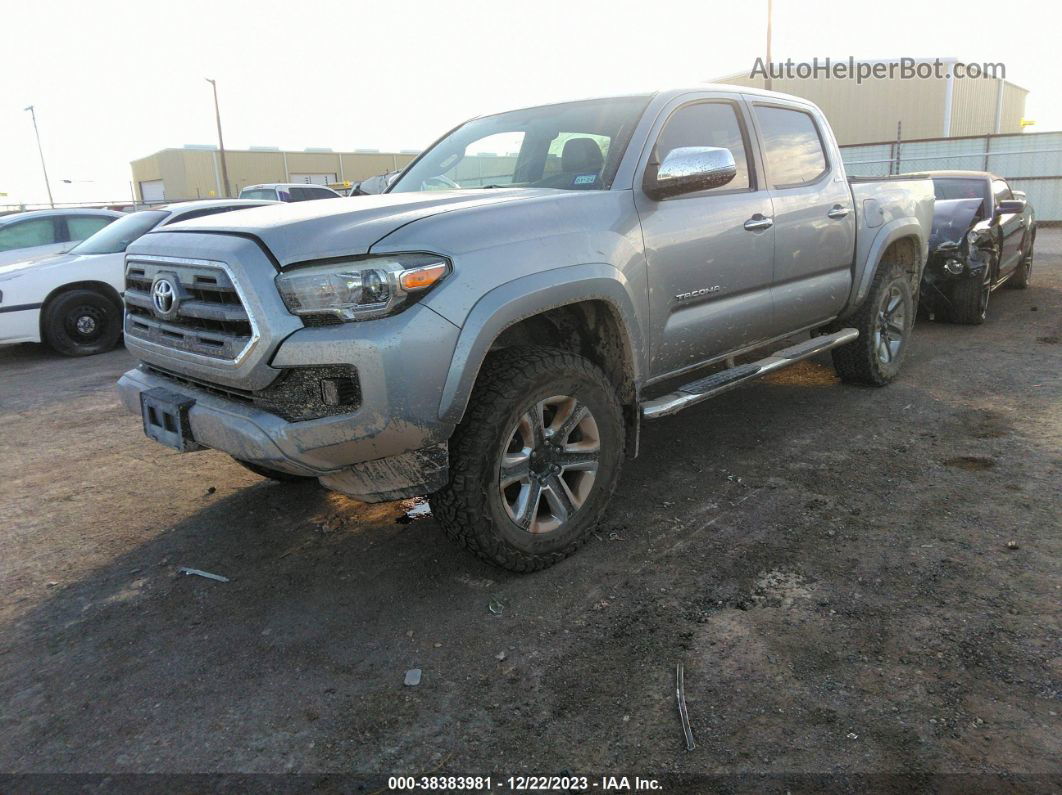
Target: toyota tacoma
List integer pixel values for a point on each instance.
(493, 330)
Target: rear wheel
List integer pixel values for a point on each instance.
(82, 323)
(884, 321)
(535, 460)
(969, 300)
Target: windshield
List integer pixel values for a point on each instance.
(116, 237)
(573, 146)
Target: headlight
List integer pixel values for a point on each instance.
(361, 289)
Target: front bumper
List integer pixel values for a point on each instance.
(335, 449)
(20, 325)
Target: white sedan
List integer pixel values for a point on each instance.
(73, 301)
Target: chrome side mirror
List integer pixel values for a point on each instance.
(689, 169)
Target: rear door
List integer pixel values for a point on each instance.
(709, 254)
(80, 227)
(1011, 228)
(814, 220)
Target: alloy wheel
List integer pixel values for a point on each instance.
(891, 326)
(549, 463)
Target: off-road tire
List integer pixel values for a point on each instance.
(858, 362)
(81, 322)
(969, 300)
(470, 507)
(1020, 279)
(273, 474)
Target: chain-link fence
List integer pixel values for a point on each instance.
(1031, 162)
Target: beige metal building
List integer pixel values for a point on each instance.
(933, 107)
(194, 172)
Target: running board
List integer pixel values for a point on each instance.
(717, 383)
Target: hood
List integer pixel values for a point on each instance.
(952, 219)
(29, 262)
(302, 231)
(41, 263)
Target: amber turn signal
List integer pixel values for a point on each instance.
(419, 278)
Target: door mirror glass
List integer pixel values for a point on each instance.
(689, 169)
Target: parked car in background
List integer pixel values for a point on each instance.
(983, 238)
(73, 301)
(374, 185)
(288, 192)
(41, 233)
(497, 346)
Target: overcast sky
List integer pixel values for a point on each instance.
(114, 81)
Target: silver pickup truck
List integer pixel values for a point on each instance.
(493, 329)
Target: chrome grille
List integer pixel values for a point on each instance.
(208, 317)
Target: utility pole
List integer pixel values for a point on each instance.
(770, 13)
(221, 141)
(37, 132)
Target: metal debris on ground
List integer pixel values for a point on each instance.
(500, 656)
(496, 606)
(412, 677)
(201, 573)
(680, 695)
(1012, 545)
(420, 510)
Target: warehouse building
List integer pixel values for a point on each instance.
(876, 109)
(194, 172)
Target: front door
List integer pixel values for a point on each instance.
(1011, 229)
(709, 254)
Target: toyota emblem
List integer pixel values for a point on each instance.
(163, 296)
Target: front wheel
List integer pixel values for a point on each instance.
(82, 323)
(969, 300)
(534, 461)
(884, 321)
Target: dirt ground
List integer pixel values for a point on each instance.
(856, 581)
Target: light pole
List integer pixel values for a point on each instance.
(770, 13)
(37, 132)
(221, 141)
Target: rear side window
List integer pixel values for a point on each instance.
(320, 193)
(79, 227)
(707, 124)
(258, 193)
(26, 234)
(792, 146)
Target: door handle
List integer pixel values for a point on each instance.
(759, 222)
(837, 211)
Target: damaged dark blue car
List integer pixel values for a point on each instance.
(983, 238)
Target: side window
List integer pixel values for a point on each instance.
(79, 227)
(26, 234)
(320, 193)
(1001, 191)
(300, 194)
(708, 124)
(792, 146)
